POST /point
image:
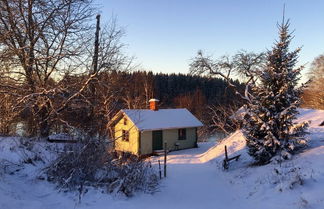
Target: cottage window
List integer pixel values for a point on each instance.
(125, 136)
(125, 121)
(182, 134)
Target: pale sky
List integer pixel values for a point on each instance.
(165, 34)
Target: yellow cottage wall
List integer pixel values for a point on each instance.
(146, 143)
(171, 137)
(132, 145)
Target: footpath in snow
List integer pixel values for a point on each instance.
(195, 180)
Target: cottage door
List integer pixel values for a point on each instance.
(157, 138)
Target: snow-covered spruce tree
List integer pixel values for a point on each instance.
(269, 127)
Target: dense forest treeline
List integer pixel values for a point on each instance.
(172, 89)
(117, 90)
(169, 87)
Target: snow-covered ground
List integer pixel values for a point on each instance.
(195, 179)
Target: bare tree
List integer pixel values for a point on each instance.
(39, 39)
(47, 47)
(223, 118)
(313, 95)
(245, 65)
(110, 58)
(6, 102)
(137, 90)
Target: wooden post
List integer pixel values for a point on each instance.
(225, 162)
(93, 72)
(160, 172)
(165, 159)
(226, 157)
(96, 46)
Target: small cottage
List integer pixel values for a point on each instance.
(144, 131)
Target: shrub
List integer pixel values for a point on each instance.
(90, 164)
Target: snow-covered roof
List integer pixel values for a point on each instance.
(154, 100)
(145, 119)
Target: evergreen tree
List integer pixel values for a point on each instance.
(269, 127)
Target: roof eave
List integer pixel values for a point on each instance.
(169, 128)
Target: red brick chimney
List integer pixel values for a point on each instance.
(154, 104)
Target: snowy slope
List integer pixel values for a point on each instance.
(195, 180)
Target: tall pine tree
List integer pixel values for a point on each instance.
(269, 127)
